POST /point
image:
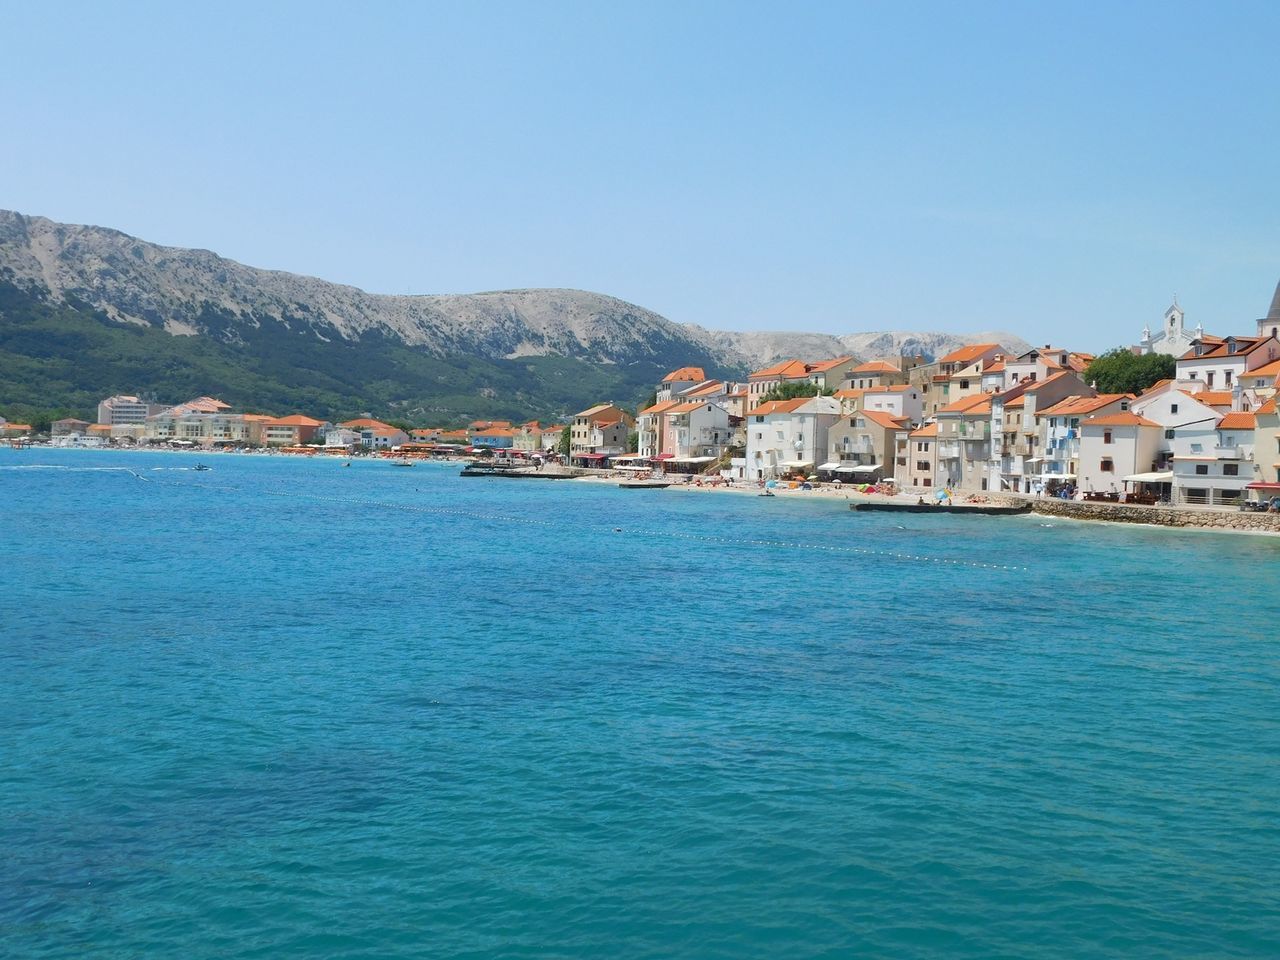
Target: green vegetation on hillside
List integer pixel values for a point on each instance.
(61, 358)
(1122, 371)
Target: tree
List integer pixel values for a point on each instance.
(633, 441)
(793, 390)
(566, 441)
(1123, 371)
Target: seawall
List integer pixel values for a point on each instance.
(1160, 516)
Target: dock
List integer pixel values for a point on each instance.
(981, 509)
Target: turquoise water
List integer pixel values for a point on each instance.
(287, 709)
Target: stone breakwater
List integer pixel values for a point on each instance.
(1160, 516)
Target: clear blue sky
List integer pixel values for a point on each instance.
(1056, 171)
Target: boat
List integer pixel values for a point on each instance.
(767, 493)
(643, 484)
(980, 509)
(401, 462)
(201, 466)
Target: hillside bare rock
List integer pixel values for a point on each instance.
(198, 293)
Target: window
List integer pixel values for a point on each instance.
(1173, 407)
(1208, 379)
(759, 419)
(964, 384)
(1231, 469)
(1106, 466)
(1106, 436)
(1168, 434)
(1202, 469)
(922, 466)
(1226, 377)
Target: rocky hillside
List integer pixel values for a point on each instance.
(86, 311)
(196, 292)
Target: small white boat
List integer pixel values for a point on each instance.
(402, 462)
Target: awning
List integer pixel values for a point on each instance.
(833, 465)
(867, 468)
(1056, 476)
(796, 463)
(1157, 477)
(588, 456)
(1262, 485)
(692, 459)
(1033, 460)
(845, 469)
(663, 456)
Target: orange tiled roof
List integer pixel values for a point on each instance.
(966, 404)
(1271, 369)
(1084, 405)
(786, 368)
(1268, 407)
(875, 366)
(1119, 420)
(687, 407)
(970, 353)
(884, 419)
(822, 366)
(695, 374)
(704, 389)
(1214, 398)
(295, 420)
(928, 430)
(1238, 420)
(851, 393)
(779, 406)
(661, 407)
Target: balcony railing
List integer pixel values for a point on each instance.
(949, 451)
(1228, 453)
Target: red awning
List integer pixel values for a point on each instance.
(589, 456)
(663, 456)
(1262, 485)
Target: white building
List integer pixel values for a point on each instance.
(1114, 447)
(785, 435)
(1173, 338)
(1219, 464)
(1223, 364)
(126, 410)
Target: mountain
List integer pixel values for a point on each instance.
(86, 311)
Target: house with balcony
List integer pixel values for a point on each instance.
(1222, 365)
(700, 433)
(1059, 459)
(862, 446)
(651, 428)
(964, 442)
(1016, 451)
(788, 435)
(824, 374)
(1219, 465)
(599, 432)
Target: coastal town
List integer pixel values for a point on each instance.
(981, 420)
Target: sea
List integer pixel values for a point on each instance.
(287, 708)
